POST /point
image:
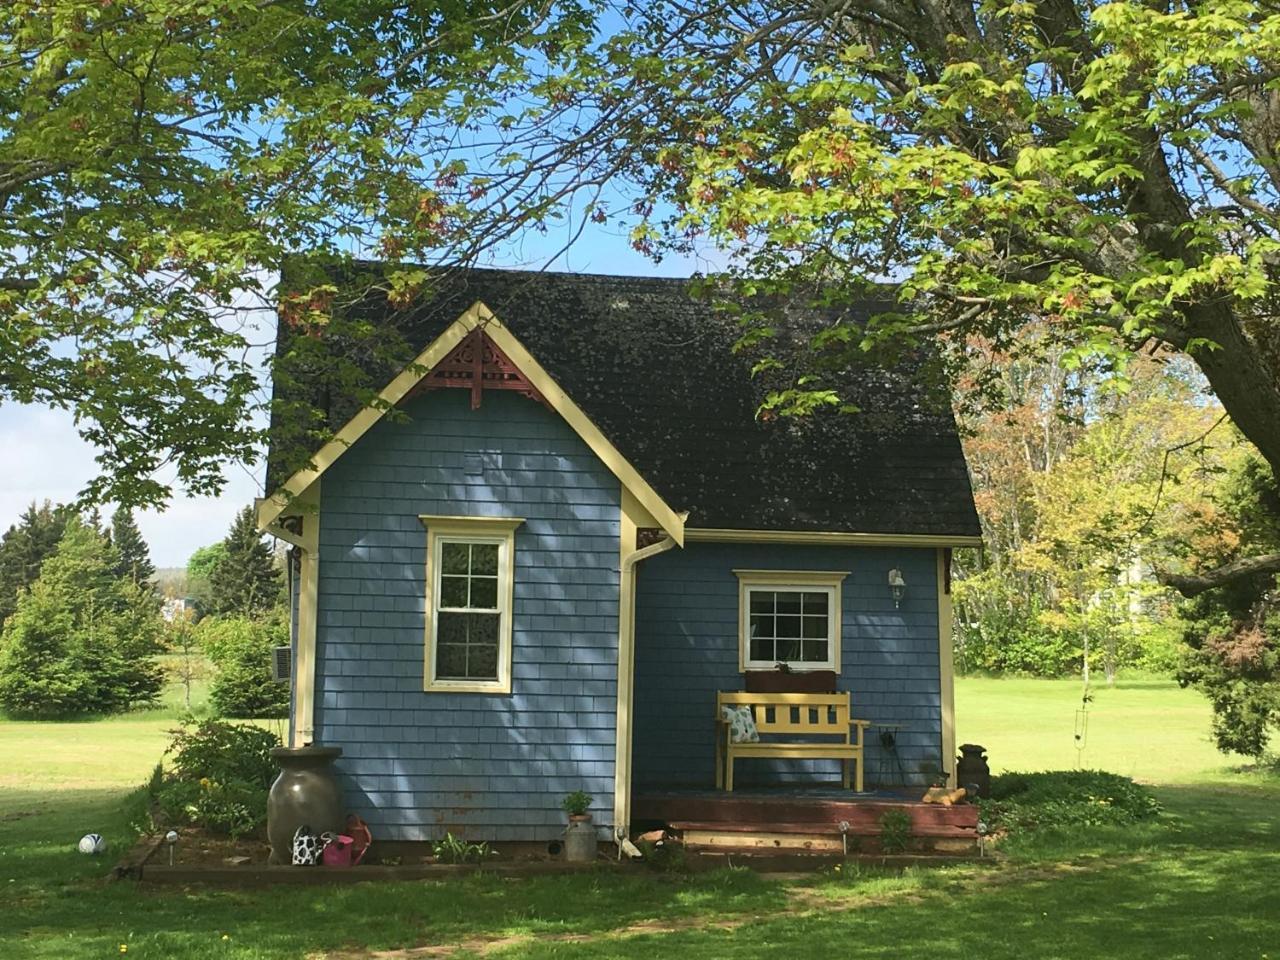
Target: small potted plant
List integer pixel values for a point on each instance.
(577, 805)
(580, 844)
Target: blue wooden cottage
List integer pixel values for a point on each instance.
(529, 566)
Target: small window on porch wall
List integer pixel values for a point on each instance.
(470, 585)
(790, 617)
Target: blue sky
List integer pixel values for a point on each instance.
(45, 458)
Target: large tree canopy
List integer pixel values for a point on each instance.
(1108, 171)
(159, 157)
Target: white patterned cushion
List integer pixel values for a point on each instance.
(742, 725)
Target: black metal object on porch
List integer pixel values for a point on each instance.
(889, 769)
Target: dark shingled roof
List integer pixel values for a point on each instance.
(656, 371)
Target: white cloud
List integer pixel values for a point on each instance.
(44, 458)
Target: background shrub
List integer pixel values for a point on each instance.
(1066, 798)
(82, 639)
(218, 777)
(241, 653)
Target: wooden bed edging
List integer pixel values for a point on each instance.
(261, 875)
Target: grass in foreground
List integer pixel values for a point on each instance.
(1197, 882)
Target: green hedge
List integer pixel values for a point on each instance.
(1066, 798)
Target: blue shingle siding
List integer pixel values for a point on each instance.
(416, 764)
(687, 649)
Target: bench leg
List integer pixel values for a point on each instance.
(860, 759)
(728, 774)
(844, 774)
(719, 763)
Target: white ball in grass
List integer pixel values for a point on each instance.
(171, 836)
(92, 844)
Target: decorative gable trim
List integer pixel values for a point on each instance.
(477, 364)
(509, 357)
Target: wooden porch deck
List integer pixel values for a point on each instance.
(811, 819)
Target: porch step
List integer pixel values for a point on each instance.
(941, 831)
(736, 812)
(809, 838)
(715, 836)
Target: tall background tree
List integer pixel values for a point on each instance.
(245, 581)
(83, 639)
(135, 555)
(23, 549)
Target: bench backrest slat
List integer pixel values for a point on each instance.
(813, 714)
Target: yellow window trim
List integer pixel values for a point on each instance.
(827, 537)
(824, 579)
(477, 316)
(503, 531)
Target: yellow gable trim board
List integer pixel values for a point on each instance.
(355, 428)
(477, 316)
(668, 519)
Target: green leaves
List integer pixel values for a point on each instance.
(158, 160)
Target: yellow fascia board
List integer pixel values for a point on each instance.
(833, 538)
(476, 316)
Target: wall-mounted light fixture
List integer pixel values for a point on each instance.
(897, 586)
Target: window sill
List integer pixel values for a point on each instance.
(497, 688)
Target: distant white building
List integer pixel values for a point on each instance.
(178, 608)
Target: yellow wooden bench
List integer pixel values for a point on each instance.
(800, 714)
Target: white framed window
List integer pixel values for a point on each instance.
(790, 617)
(470, 590)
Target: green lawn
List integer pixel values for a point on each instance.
(1151, 730)
(1199, 882)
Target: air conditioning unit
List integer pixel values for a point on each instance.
(281, 664)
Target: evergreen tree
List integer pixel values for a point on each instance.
(135, 556)
(23, 549)
(245, 581)
(82, 639)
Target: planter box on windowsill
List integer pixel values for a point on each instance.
(775, 681)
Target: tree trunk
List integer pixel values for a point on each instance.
(1247, 387)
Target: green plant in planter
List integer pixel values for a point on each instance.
(577, 804)
(895, 832)
(454, 850)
